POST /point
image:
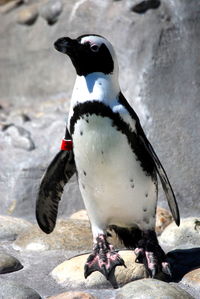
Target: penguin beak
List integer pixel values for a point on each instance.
(66, 45)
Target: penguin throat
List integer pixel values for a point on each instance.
(96, 86)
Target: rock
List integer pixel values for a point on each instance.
(11, 227)
(9, 5)
(73, 295)
(68, 234)
(163, 219)
(2, 2)
(192, 279)
(11, 289)
(19, 137)
(22, 173)
(161, 66)
(71, 272)
(185, 236)
(27, 15)
(81, 215)
(9, 263)
(51, 11)
(151, 288)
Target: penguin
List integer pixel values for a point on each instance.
(116, 166)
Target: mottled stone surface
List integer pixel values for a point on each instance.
(187, 235)
(159, 73)
(69, 234)
(151, 288)
(163, 219)
(11, 289)
(71, 272)
(73, 295)
(81, 215)
(28, 15)
(192, 279)
(51, 10)
(11, 227)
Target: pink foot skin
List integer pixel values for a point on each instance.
(151, 255)
(103, 259)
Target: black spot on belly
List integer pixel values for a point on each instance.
(144, 210)
(132, 185)
(146, 220)
(146, 195)
(83, 186)
(81, 133)
(102, 152)
(84, 172)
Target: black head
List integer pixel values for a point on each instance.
(88, 53)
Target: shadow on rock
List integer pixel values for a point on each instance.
(144, 6)
(183, 261)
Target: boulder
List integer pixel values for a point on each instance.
(151, 288)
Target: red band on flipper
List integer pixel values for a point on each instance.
(66, 145)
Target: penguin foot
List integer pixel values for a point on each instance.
(103, 259)
(151, 255)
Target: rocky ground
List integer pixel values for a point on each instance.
(157, 43)
(35, 265)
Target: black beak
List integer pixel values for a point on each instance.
(65, 45)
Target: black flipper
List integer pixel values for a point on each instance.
(58, 173)
(162, 175)
(160, 170)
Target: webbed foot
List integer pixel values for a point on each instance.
(103, 259)
(151, 255)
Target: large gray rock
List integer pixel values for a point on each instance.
(185, 236)
(151, 288)
(11, 227)
(11, 289)
(70, 273)
(70, 234)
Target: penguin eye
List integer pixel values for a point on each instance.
(94, 48)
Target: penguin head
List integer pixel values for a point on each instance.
(89, 53)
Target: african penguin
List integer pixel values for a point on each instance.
(115, 164)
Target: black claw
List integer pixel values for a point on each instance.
(153, 273)
(166, 269)
(150, 253)
(139, 257)
(112, 279)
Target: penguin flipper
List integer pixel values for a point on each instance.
(169, 193)
(152, 155)
(58, 173)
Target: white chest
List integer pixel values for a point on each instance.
(114, 187)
